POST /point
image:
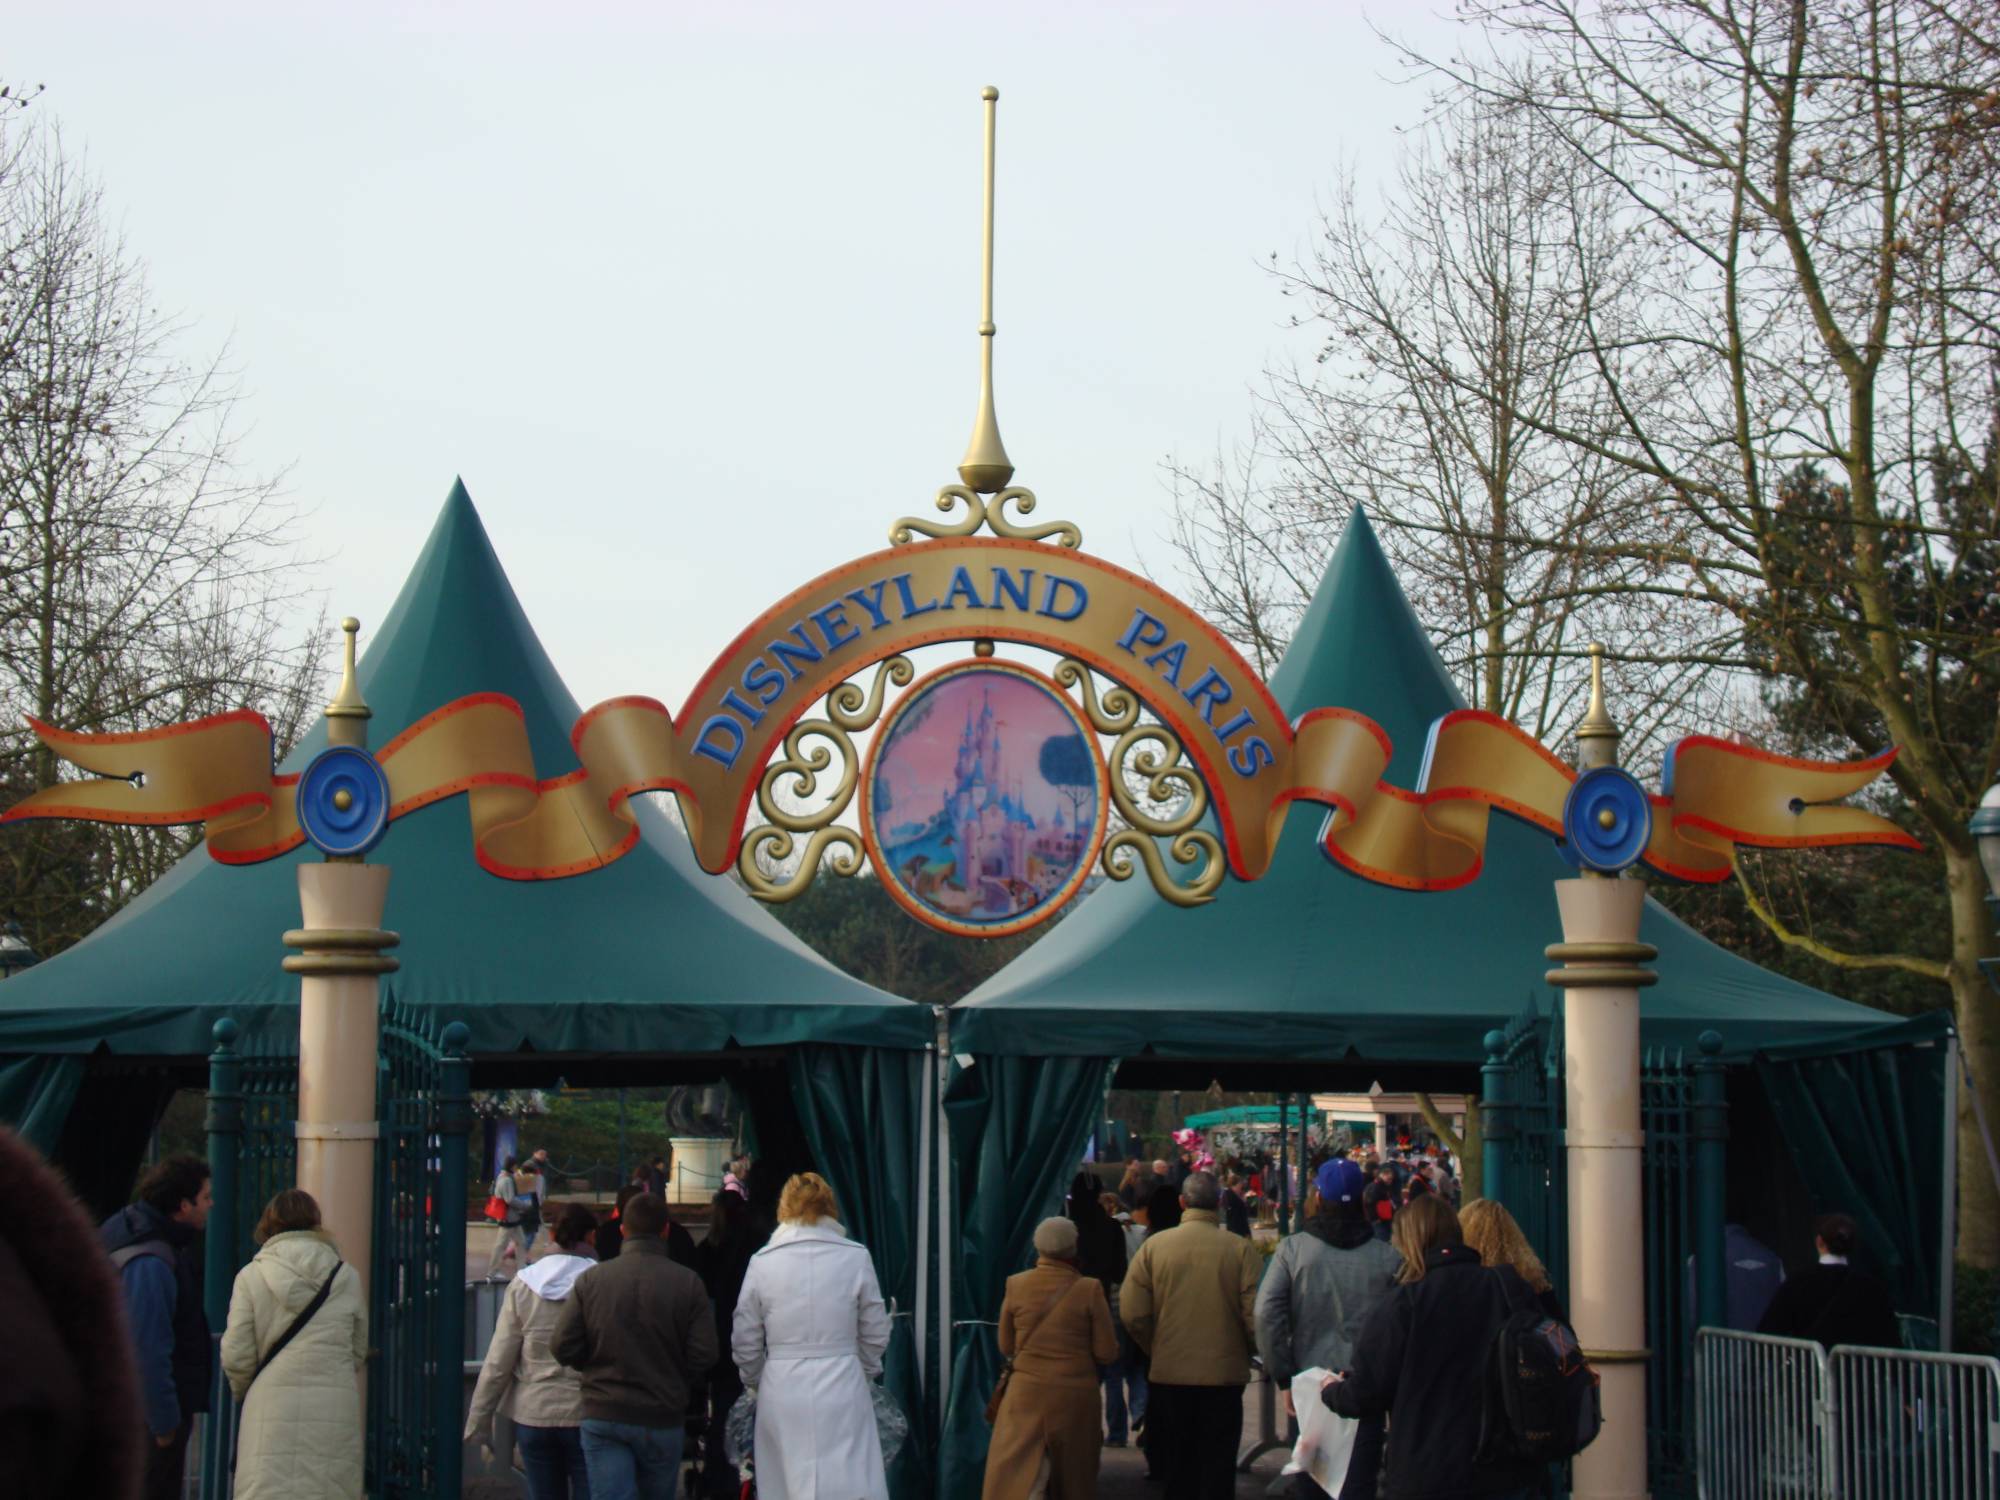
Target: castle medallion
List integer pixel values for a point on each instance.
(984, 799)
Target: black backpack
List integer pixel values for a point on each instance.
(1541, 1402)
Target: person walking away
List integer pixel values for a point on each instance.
(639, 1334)
(1379, 1201)
(1101, 1255)
(1496, 1237)
(1422, 1361)
(1319, 1289)
(521, 1372)
(1235, 1211)
(293, 1350)
(723, 1261)
(656, 1178)
(809, 1334)
(544, 1176)
(152, 1244)
(70, 1417)
(1190, 1301)
(1751, 1275)
(1833, 1302)
(512, 1239)
(1055, 1329)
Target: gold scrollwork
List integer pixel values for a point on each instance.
(1148, 756)
(849, 712)
(1197, 844)
(1114, 713)
(992, 514)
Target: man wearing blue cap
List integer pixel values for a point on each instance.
(1320, 1286)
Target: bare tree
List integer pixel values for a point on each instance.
(1802, 365)
(145, 577)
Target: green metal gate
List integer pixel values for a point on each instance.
(1523, 1117)
(416, 1271)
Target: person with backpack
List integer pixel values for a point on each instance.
(516, 1204)
(1430, 1358)
(296, 1340)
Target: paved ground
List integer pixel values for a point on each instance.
(1120, 1478)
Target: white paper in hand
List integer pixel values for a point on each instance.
(1326, 1439)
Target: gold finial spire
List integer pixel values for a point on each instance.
(1597, 736)
(348, 714)
(986, 467)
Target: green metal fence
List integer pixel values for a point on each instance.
(416, 1281)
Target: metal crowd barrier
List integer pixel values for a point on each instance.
(1782, 1418)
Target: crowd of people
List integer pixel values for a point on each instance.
(1141, 1315)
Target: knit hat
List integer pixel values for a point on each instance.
(1056, 1238)
(1339, 1181)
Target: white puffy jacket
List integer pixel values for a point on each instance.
(300, 1434)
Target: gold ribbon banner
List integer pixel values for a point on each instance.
(712, 755)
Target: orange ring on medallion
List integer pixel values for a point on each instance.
(1086, 862)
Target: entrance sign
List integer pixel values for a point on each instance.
(984, 799)
(993, 831)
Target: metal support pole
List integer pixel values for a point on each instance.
(1496, 1120)
(1284, 1165)
(624, 1155)
(454, 1107)
(1711, 1195)
(225, 1158)
(1305, 1156)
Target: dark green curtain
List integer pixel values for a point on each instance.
(1017, 1127)
(1865, 1127)
(36, 1094)
(862, 1108)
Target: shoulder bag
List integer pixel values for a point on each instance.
(1007, 1364)
(305, 1316)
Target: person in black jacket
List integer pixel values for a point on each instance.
(1380, 1199)
(1421, 1359)
(1833, 1303)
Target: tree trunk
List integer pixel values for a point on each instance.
(1977, 1011)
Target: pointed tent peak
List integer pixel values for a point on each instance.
(457, 627)
(1359, 645)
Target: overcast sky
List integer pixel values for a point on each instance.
(686, 293)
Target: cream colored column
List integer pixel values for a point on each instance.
(341, 967)
(340, 963)
(1604, 1145)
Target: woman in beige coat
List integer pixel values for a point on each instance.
(299, 1434)
(1056, 1327)
(544, 1398)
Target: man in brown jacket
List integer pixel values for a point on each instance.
(1190, 1301)
(640, 1331)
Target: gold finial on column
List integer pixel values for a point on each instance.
(348, 714)
(1597, 736)
(986, 467)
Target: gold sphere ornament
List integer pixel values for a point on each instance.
(343, 799)
(1606, 818)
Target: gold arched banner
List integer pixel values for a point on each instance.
(960, 587)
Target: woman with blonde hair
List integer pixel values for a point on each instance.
(1421, 1360)
(809, 1334)
(295, 1342)
(1496, 1235)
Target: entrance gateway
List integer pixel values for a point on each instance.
(984, 801)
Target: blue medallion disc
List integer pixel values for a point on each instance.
(1607, 821)
(343, 801)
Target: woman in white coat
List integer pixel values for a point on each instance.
(299, 1434)
(809, 1335)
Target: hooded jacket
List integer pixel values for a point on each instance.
(299, 1437)
(521, 1371)
(1318, 1291)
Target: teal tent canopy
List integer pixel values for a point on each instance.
(1313, 964)
(648, 955)
(1240, 1114)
